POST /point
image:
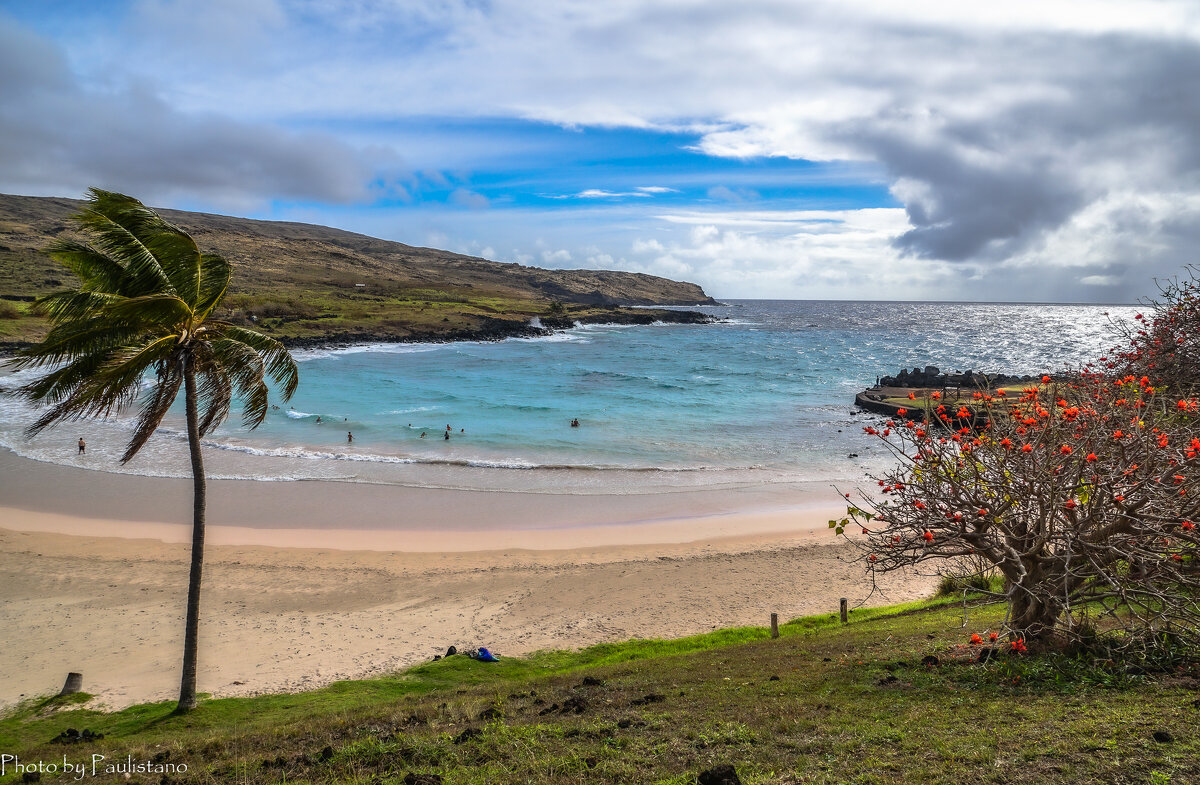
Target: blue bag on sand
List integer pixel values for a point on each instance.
(486, 656)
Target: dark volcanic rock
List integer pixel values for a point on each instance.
(467, 735)
(574, 705)
(719, 775)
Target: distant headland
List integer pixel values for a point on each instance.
(314, 285)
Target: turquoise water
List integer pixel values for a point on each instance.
(762, 397)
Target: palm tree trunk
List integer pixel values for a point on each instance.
(187, 687)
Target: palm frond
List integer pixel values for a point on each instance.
(74, 304)
(121, 226)
(215, 393)
(245, 368)
(179, 258)
(162, 309)
(215, 273)
(153, 410)
(277, 361)
(94, 396)
(75, 339)
(97, 271)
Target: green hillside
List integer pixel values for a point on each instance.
(313, 284)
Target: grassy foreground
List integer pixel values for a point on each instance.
(825, 703)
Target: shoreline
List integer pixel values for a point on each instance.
(292, 604)
(401, 517)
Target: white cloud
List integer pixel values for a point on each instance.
(1031, 134)
(598, 193)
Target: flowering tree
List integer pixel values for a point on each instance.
(1166, 344)
(1082, 493)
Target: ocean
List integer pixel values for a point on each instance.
(763, 397)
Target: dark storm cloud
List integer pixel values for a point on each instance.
(1102, 115)
(58, 136)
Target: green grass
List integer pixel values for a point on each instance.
(826, 703)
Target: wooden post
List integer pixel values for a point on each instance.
(73, 684)
(844, 611)
(774, 625)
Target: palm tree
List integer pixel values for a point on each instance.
(145, 302)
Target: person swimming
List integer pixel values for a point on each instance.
(575, 423)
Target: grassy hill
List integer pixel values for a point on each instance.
(825, 703)
(307, 283)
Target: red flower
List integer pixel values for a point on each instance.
(976, 639)
(1065, 449)
(1045, 380)
(1006, 443)
(1027, 448)
(903, 412)
(1069, 504)
(872, 558)
(993, 636)
(1187, 526)
(928, 536)
(1091, 458)
(866, 530)
(912, 396)
(919, 505)
(1019, 646)
(981, 512)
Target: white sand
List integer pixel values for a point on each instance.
(92, 582)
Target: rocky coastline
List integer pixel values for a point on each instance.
(496, 329)
(491, 329)
(929, 378)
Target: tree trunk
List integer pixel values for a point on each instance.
(1033, 617)
(187, 687)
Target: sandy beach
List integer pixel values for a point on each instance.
(307, 583)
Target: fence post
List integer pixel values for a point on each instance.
(73, 684)
(844, 610)
(774, 625)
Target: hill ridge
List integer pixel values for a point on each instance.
(307, 282)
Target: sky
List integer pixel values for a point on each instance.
(1041, 151)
